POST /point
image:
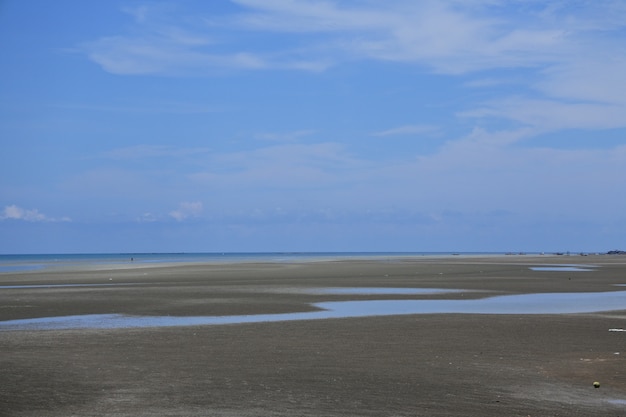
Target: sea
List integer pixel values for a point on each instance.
(32, 262)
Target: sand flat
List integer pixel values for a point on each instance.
(398, 365)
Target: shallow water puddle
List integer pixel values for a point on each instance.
(554, 303)
(384, 291)
(564, 268)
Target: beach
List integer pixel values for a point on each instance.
(458, 356)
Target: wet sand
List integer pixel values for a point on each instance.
(404, 365)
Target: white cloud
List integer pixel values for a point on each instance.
(573, 77)
(598, 77)
(155, 54)
(147, 217)
(549, 115)
(450, 37)
(573, 60)
(14, 212)
(139, 13)
(585, 89)
(186, 210)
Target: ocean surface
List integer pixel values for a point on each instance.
(31, 262)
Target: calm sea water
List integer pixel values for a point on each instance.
(16, 263)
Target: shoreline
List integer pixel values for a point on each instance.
(16, 264)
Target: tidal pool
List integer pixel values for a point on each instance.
(384, 291)
(563, 268)
(548, 303)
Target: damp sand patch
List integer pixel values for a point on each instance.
(49, 286)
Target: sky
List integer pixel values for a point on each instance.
(302, 125)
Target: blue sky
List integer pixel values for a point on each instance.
(300, 125)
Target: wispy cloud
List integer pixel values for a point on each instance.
(168, 42)
(186, 210)
(549, 115)
(408, 130)
(163, 55)
(14, 212)
(140, 13)
(147, 217)
(449, 37)
(568, 49)
(599, 77)
(585, 89)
